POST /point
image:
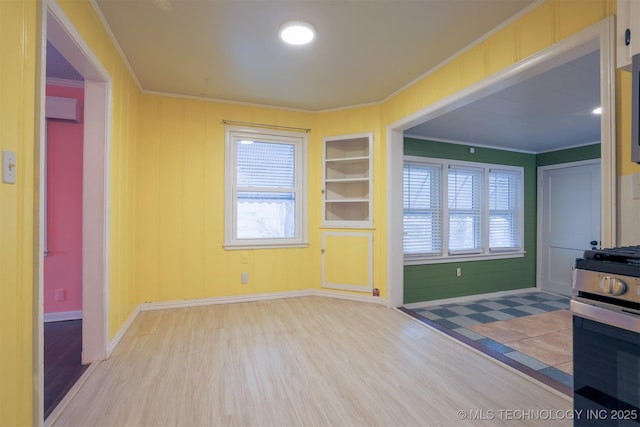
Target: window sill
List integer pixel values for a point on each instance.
(462, 258)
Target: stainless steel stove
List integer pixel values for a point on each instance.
(606, 337)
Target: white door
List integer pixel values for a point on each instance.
(569, 220)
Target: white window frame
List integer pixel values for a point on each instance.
(484, 252)
(299, 141)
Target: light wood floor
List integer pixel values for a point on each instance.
(301, 362)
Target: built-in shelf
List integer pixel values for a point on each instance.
(347, 181)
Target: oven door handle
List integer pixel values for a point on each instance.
(617, 319)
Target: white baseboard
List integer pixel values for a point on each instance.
(122, 331)
(148, 306)
(467, 298)
(61, 316)
(350, 297)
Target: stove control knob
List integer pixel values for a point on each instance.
(605, 284)
(612, 286)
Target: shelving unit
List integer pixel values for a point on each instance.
(347, 181)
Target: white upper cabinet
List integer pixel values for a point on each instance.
(348, 181)
(627, 32)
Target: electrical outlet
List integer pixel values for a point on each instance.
(458, 272)
(60, 295)
(244, 278)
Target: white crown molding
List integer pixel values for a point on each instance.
(467, 48)
(107, 28)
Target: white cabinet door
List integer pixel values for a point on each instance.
(347, 261)
(627, 32)
(623, 46)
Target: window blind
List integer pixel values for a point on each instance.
(465, 208)
(461, 210)
(265, 190)
(504, 204)
(265, 164)
(422, 209)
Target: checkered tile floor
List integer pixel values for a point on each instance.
(458, 317)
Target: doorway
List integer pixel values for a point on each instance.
(568, 220)
(58, 30)
(598, 37)
(62, 264)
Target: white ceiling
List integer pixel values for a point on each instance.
(230, 50)
(365, 51)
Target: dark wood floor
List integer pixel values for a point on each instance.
(62, 367)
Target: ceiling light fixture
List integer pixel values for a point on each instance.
(597, 110)
(297, 33)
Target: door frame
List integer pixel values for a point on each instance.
(599, 36)
(56, 28)
(540, 190)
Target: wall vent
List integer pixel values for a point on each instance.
(63, 109)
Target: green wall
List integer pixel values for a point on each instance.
(428, 282)
(587, 152)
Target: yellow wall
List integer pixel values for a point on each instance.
(18, 41)
(167, 172)
(180, 205)
(180, 201)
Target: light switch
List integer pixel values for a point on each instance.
(635, 183)
(8, 167)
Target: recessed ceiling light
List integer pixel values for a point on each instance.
(597, 110)
(297, 33)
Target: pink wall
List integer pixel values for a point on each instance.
(63, 264)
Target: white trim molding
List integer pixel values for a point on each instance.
(62, 34)
(150, 306)
(122, 331)
(62, 316)
(468, 298)
(65, 82)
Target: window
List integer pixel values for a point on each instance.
(265, 188)
(505, 196)
(461, 210)
(422, 213)
(465, 209)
